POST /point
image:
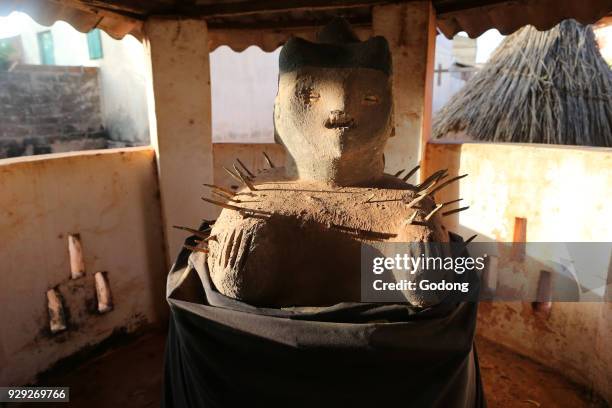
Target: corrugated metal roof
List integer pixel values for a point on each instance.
(509, 16)
(119, 18)
(82, 17)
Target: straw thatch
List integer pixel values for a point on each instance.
(538, 87)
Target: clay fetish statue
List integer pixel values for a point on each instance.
(292, 235)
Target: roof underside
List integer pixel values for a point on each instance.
(121, 17)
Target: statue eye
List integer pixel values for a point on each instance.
(371, 100)
(309, 96)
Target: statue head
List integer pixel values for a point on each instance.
(334, 104)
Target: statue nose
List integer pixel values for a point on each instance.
(339, 119)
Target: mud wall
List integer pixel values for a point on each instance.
(109, 200)
(45, 109)
(562, 194)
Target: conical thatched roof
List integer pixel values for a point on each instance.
(538, 87)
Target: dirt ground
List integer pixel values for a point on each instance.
(127, 376)
(511, 380)
(131, 376)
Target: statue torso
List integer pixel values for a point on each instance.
(298, 243)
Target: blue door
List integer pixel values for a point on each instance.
(45, 46)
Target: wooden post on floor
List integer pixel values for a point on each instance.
(180, 120)
(410, 29)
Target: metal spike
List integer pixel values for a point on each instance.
(201, 234)
(399, 172)
(431, 179)
(452, 202)
(470, 239)
(412, 217)
(225, 190)
(231, 173)
(446, 183)
(268, 160)
(363, 233)
(444, 214)
(225, 196)
(251, 175)
(195, 249)
(224, 205)
(437, 180)
(411, 173)
(416, 201)
(410, 187)
(245, 179)
(233, 207)
(433, 212)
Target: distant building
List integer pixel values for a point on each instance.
(455, 63)
(121, 66)
(243, 87)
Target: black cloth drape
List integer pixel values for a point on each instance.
(224, 353)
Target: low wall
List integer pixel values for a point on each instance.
(563, 194)
(49, 109)
(110, 199)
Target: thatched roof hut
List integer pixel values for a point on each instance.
(538, 87)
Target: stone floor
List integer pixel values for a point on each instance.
(131, 376)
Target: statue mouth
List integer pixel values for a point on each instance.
(339, 120)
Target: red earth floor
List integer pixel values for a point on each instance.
(131, 376)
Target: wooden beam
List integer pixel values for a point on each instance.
(450, 6)
(246, 8)
(296, 23)
(145, 9)
(104, 8)
(119, 7)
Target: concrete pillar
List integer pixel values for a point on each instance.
(180, 120)
(410, 29)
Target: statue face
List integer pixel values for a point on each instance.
(327, 116)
